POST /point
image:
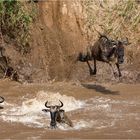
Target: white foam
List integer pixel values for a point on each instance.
(83, 124)
(30, 112)
(78, 124)
(70, 103)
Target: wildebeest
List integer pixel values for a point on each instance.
(57, 115)
(105, 50)
(1, 101)
(4, 66)
(11, 73)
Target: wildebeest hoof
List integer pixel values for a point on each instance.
(120, 75)
(115, 74)
(92, 73)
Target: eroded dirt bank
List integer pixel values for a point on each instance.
(97, 110)
(58, 34)
(55, 42)
(99, 106)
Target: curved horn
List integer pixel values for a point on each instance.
(101, 35)
(104, 36)
(47, 105)
(2, 99)
(61, 104)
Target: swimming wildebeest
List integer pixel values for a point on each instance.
(57, 115)
(1, 101)
(105, 50)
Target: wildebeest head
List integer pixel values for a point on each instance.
(54, 112)
(1, 101)
(119, 50)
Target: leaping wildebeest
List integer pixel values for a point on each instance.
(57, 115)
(105, 50)
(1, 101)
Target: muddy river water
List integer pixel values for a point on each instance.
(96, 110)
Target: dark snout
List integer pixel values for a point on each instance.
(53, 125)
(53, 119)
(120, 60)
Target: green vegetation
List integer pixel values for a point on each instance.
(15, 22)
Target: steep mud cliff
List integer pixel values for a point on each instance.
(57, 36)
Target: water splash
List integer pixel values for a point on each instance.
(103, 111)
(30, 112)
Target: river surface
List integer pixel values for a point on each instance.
(96, 110)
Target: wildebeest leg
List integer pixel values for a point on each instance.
(12, 75)
(5, 73)
(112, 70)
(95, 70)
(90, 69)
(118, 69)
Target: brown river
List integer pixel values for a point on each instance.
(107, 111)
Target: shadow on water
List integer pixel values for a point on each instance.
(100, 89)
